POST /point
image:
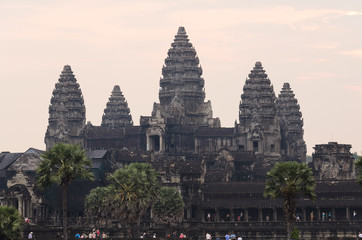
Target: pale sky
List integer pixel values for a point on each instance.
(316, 46)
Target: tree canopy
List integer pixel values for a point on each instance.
(10, 223)
(286, 180)
(61, 165)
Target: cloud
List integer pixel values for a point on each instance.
(354, 88)
(354, 53)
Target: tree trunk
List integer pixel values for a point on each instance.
(65, 204)
(290, 208)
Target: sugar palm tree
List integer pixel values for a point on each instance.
(61, 165)
(358, 164)
(132, 190)
(95, 205)
(10, 223)
(169, 206)
(286, 180)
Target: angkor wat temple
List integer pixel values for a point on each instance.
(219, 171)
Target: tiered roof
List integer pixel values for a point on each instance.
(258, 99)
(117, 112)
(182, 73)
(67, 110)
(289, 113)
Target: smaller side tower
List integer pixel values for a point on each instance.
(291, 126)
(66, 111)
(333, 161)
(259, 129)
(117, 113)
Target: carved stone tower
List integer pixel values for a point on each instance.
(117, 113)
(66, 111)
(259, 129)
(182, 87)
(291, 125)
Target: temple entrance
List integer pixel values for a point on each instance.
(154, 143)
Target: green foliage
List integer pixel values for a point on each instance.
(295, 234)
(10, 223)
(358, 165)
(289, 178)
(131, 191)
(169, 206)
(95, 204)
(62, 164)
(286, 180)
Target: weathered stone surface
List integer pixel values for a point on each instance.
(291, 125)
(66, 111)
(117, 113)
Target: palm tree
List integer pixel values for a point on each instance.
(286, 180)
(10, 223)
(95, 205)
(61, 165)
(169, 206)
(358, 165)
(132, 190)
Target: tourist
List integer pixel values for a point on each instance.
(77, 235)
(208, 236)
(227, 236)
(154, 235)
(359, 235)
(323, 216)
(30, 236)
(354, 215)
(233, 236)
(240, 238)
(329, 216)
(182, 235)
(311, 216)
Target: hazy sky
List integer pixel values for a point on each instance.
(316, 46)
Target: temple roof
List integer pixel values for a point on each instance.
(117, 112)
(258, 98)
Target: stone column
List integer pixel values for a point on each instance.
(162, 147)
(217, 213)
(231, 215)
(275, 214)
(246, 215)
(333, 214)
(188, 213)
(318, 214)
(148, 148)
(348, 217)
(260, 214)
(304, 214)
(20, 205)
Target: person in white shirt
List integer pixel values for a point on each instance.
(240, 238)
(208, 236)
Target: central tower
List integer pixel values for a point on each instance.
(182, 92)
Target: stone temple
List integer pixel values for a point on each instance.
(219, 171)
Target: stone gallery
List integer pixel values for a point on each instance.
(219, 171)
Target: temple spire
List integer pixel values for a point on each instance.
(182, 76)
(117, 112)
(66, 111)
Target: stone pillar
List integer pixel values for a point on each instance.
(148, 148)
(162, 147)
(188, 213)
(217, 213)
(333, 214)
(231, 215)
(260, 214)
(275, 214)
(348, 217)
(304, 214)
(20, 205)
(318, 214)
(246, 215)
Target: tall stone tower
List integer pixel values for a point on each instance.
(117, 113)
(291, 125)
(259, 129)
(66, 111)
(182, 87)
